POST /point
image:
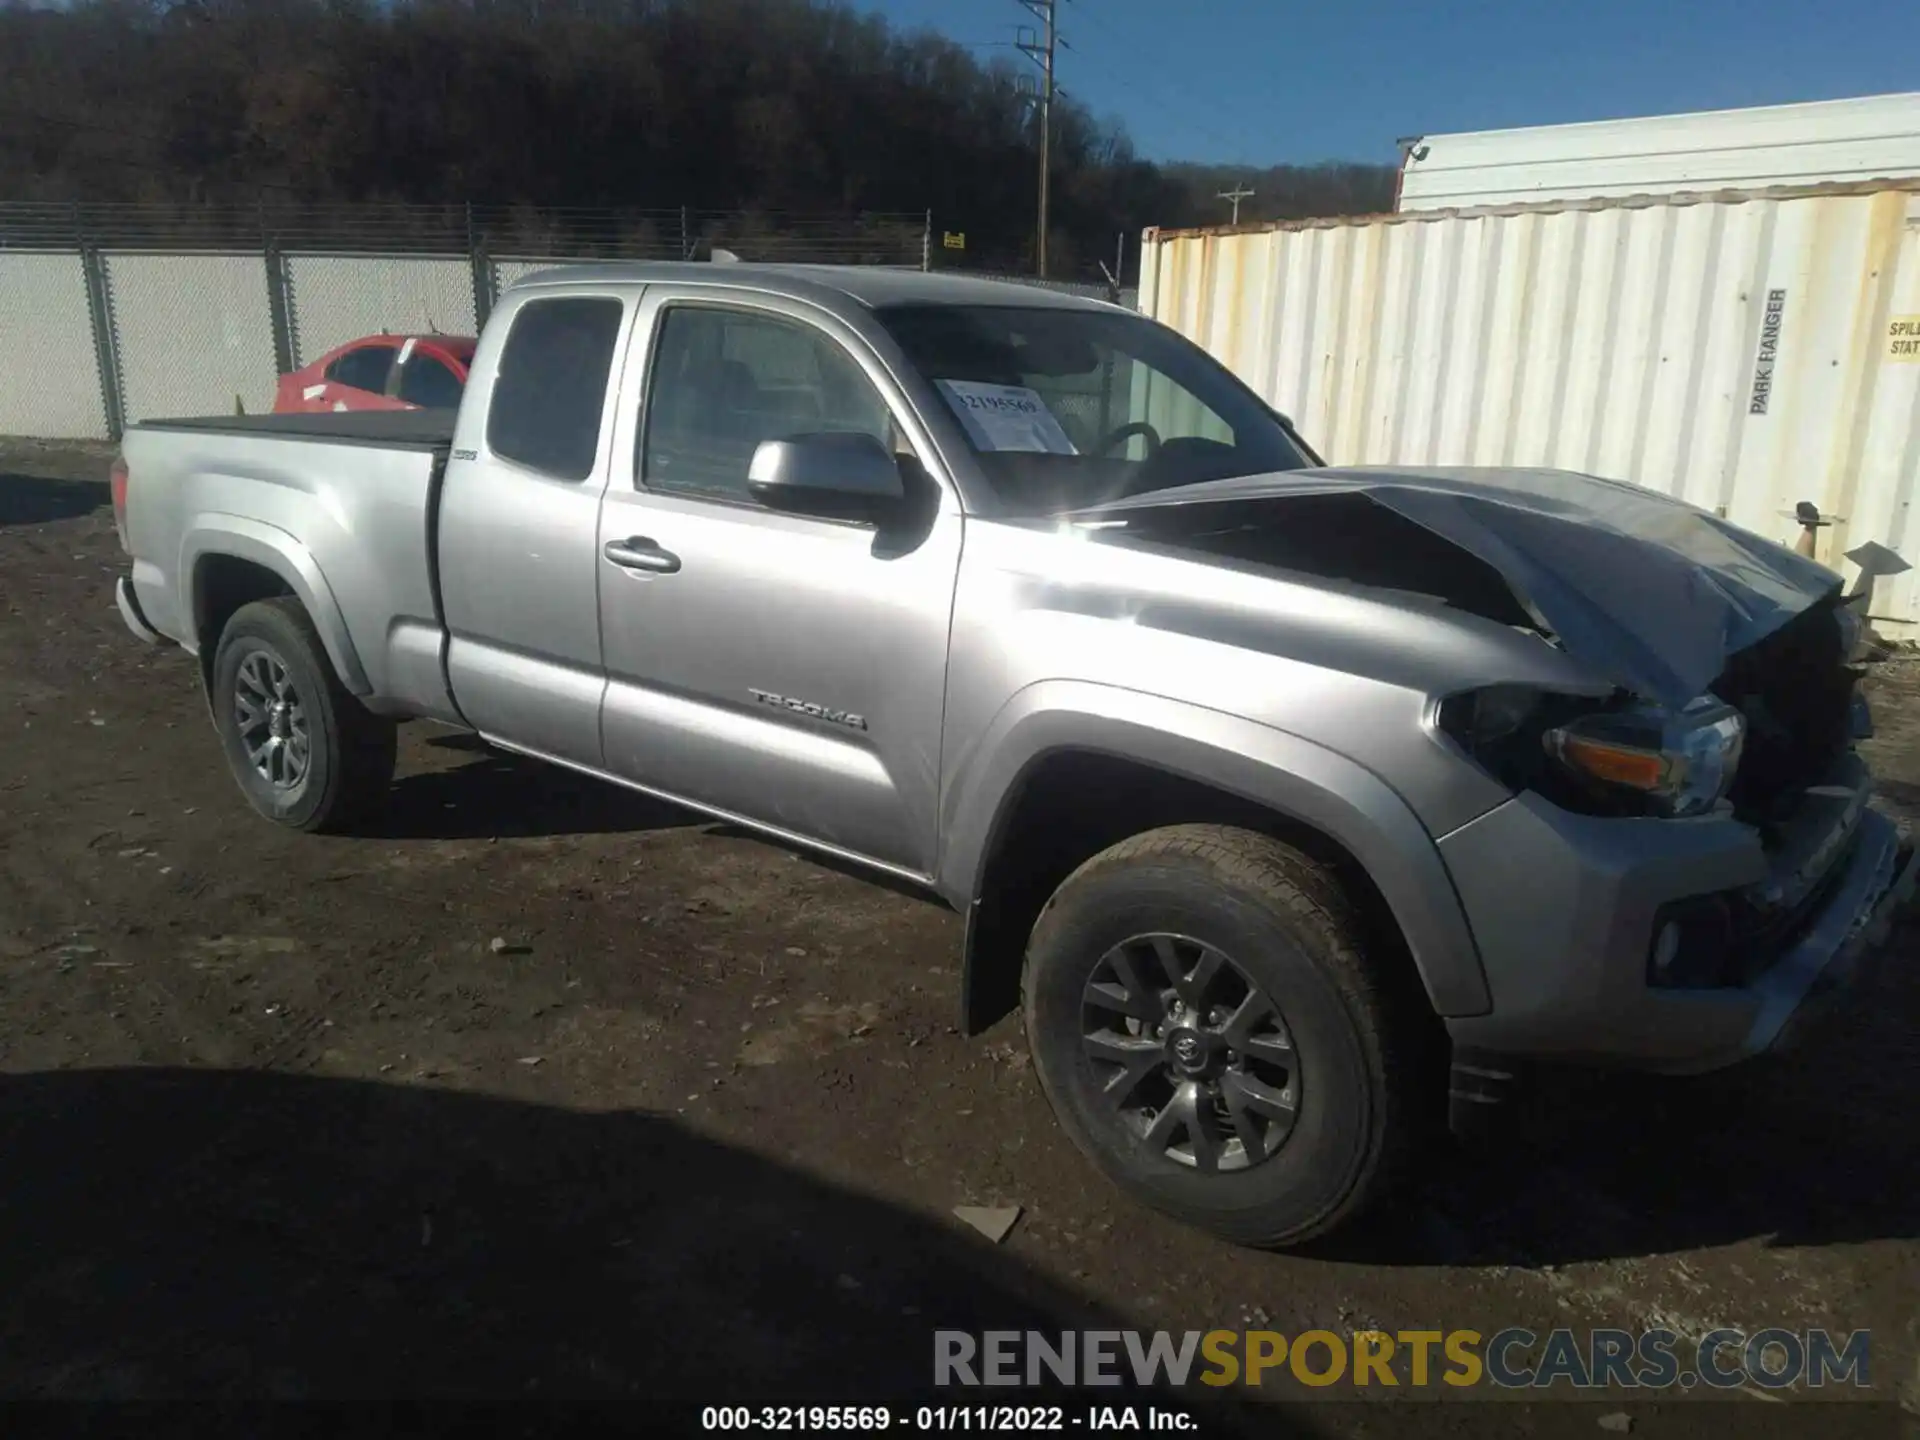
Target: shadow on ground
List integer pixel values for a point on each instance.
(32, 500)
(496, 793)
(1820, 1146)
(236, 1237)
(240, 1235)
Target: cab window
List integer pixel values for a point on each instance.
(550, 390)
(724, 380)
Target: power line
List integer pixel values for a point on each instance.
(1234, 197)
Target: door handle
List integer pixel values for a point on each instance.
(637, 552)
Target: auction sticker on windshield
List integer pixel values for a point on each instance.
(1006, 417)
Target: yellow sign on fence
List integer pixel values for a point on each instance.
(1903, 338)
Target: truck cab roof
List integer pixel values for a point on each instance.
(871, 286)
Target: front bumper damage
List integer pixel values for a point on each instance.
(1844, 939)
(1564, 909)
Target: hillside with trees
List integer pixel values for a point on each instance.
(765, 105)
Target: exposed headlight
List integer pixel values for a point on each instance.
(1682, 761)
(1623, 759)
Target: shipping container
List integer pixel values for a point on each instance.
(1875, 137)
(1743, 352)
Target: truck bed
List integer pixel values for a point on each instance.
(389, 429)
(338, 507)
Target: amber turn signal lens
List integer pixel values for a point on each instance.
(1616, 764)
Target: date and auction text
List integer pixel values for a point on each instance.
(949, 1419)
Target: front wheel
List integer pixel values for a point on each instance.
(305, 753)
(1210, 1032)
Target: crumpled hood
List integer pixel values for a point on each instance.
(1651, 593)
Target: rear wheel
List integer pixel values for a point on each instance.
(305, 753)
(1210, 1032)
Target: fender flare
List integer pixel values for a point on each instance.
(1279, 771)
(271, 548)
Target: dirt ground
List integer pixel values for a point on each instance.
(279, 1117)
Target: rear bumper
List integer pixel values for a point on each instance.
(130, 612)
(1565, 907)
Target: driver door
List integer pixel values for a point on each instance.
(786, 670)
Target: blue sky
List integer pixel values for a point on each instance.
(1272, 81)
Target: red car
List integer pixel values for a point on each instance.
(381, 372)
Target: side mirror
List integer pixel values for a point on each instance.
(837, 475)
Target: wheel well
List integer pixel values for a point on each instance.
(1072, 805)
(221, 585)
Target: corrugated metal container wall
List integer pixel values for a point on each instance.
(1743, 353)
(1874, 137)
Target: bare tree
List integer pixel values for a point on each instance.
(768, 105)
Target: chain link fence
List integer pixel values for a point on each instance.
(332, 299)
(119, 313)
(1127, 295)
(49, 373)
(191, 334)
(511, 272)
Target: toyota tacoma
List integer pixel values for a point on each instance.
(1292, 806)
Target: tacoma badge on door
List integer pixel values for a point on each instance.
(807, 707)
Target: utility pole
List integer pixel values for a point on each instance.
(1234, 197)
(1118, 269)
(1041, 51)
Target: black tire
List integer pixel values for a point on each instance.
(1281, 923)
(348, 751)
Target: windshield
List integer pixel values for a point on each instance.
(1067, 409)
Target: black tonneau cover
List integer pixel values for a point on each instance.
(389, 429)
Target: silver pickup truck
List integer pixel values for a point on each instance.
(1293, 806)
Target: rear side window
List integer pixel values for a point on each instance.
(425, 382)
(551, 387)
(364, 369)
